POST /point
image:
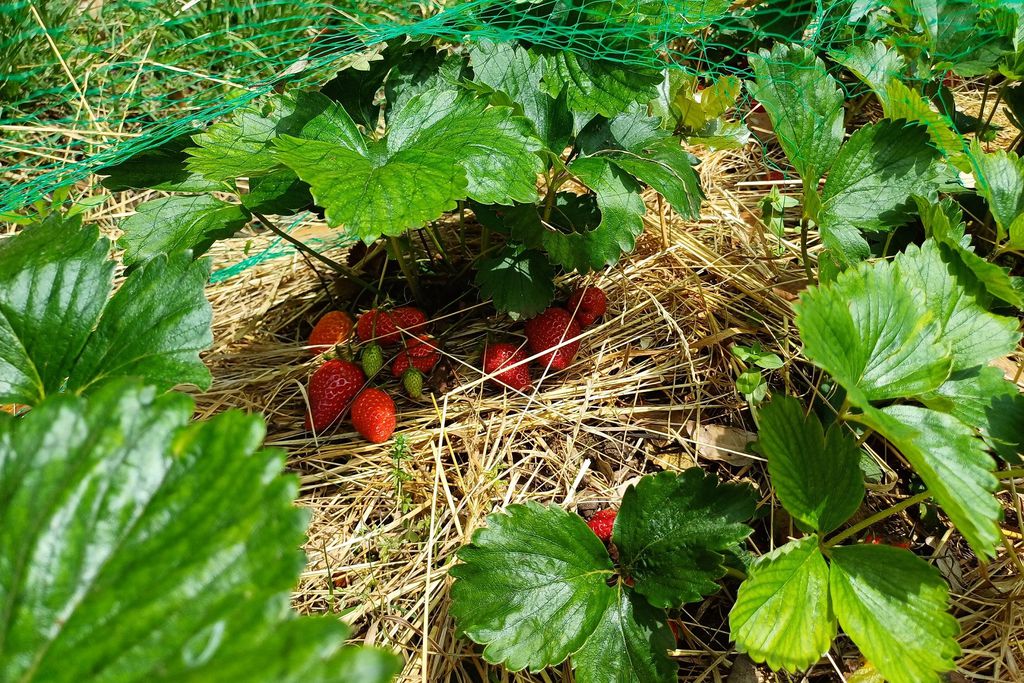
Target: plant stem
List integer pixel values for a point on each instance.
(554, 183)
(735, 573)
(803, 250)
(407, 268)
(981, 110)
(995, 108)
(1010, 474)
(877, 517)
(306, 249)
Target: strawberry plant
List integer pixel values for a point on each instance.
(671, 533)
(872, 177)
(473, 127)
(62, 331)
(909, 342)
(139, 546)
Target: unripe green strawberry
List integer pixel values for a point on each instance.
(372, 359)
(412, 380)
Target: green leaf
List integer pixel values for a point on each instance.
(815, 474)
(1000, 178)
(517, 73)
(875, 64)
(982, 398)
(241, 145)
(748, 381)
(671, 530)
(952, 462)
(805, 106)
(873, 334)
(943, 222)
(973, 335)
(903, 103)
(629, 645)
(665, 166)
(893, 605)
(177, 542)
(596, 86)
(622, 211)
(783, 614)
(60, 331)
(280, 193)
(54, 280)
(177, 223)
(159, 168)
(518, 280)
(531, 587)
(443, 146)
(154, 327)
(871, 181)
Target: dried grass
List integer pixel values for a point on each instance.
(645, 382)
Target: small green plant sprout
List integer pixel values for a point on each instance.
(751, 383)
(608, 617)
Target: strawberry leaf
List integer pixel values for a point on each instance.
(517, 73)
(665, 166)
(442, 146)
(532, 586)
(518, 280)
(279, 193)
(900, 102)
(871, 181)
(873, 334)
(874, 64)
(595, 86)
(621, 210)
(159, 168)
(783, 614)
(671, 531)
(952, 462)
(804, 104)
(153, 327)
(1000, 178)
(981, 397)
(816, 475)
(61, 332)
(175, 541)
(893, 605)
(973, 335)
(177, 223)
(241, 145)
(631, 642)
(943, 221)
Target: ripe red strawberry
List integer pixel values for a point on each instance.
(333, 328)
(388, 327)
(602, 524)
(550, 329)
(331, 388)
(373, 415)
(498, 356)
(587, 304)
(420, 352)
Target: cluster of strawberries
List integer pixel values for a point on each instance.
(340, 382)
(554, 335)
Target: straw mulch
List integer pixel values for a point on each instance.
(652, 388)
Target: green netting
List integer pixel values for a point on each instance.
(85, 83)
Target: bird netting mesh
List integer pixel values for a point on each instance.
(88, 83)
